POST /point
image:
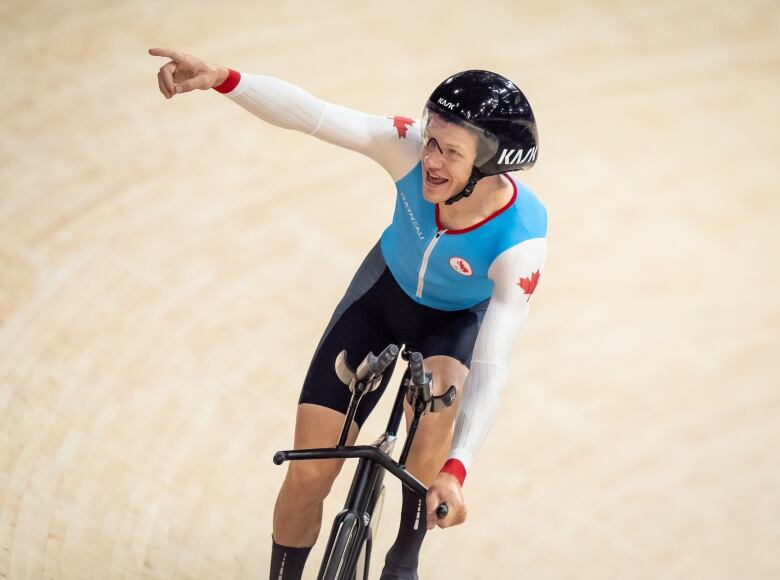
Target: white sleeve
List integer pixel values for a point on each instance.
(393, 142)
(515, 274)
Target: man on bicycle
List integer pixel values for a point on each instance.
(452, 275)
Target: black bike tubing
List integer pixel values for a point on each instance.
(369, 545)
(361, 480)
(409, 439)
(362, 498)
(376, 489)
(335, 557)
(398, 405)
(356, 504)
(353, 551)
(375, 477)
(337, 523)
(354, 401)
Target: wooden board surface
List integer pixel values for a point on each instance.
(167, 267)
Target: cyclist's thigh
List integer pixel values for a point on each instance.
(317, 426)
(357, 327)
(355, 333)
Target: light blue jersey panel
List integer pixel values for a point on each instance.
(453, 275)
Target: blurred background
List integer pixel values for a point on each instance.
(167, 268)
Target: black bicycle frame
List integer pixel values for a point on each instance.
(374, 459)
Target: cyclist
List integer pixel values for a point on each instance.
(452, 275)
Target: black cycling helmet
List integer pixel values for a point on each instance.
(492, 107)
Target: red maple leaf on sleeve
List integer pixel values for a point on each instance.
(401, 124)
(529, 284)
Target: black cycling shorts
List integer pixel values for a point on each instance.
(375, 312)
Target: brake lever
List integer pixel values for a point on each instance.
(369, 371)
(443, 401)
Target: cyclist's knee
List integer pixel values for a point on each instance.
(311, 479)
(446, 371)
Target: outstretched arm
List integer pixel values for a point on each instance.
(393, 142)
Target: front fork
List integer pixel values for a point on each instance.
(364, 494)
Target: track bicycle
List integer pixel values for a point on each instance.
(348, 552)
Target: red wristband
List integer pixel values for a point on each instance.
(230, 82)
(455, 468)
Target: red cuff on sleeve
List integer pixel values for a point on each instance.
(456, 469)
(230, 82)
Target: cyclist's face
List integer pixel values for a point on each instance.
(447, 156)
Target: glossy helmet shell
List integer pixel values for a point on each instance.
(500, 113)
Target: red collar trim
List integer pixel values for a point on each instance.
(488, 218)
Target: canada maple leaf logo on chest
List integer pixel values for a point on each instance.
(529, 284)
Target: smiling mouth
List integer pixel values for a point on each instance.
(433, 180)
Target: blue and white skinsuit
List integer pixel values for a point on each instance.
(494, 265)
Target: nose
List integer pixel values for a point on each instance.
(434, 158)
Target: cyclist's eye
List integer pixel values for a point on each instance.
(454, 153)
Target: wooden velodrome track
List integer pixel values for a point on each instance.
(167, 267)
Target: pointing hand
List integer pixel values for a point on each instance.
(184, 73)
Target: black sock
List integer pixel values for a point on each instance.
(287, 563)
(401, 560)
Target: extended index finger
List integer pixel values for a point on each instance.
(168, 53)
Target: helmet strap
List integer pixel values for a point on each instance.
(476, 175)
